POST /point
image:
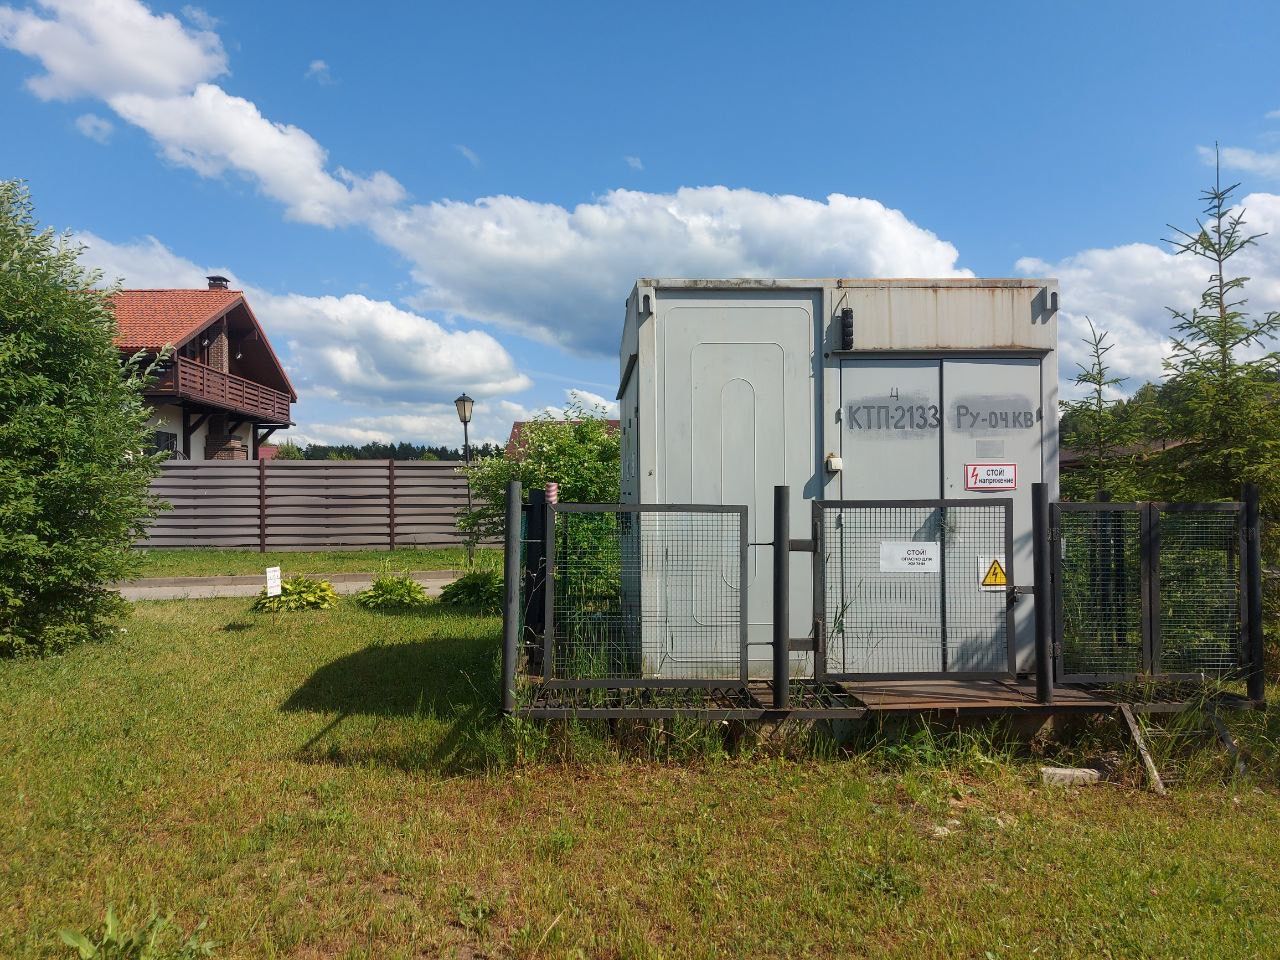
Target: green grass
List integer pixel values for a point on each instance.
(335, 784)
(213, 563)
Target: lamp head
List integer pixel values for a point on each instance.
(464, 405)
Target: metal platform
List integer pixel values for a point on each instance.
(857, 699)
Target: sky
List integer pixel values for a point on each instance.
(425, 198)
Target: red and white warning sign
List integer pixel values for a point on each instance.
(990, 476)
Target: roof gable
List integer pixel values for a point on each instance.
(153, 319)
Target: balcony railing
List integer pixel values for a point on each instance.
(192, 380)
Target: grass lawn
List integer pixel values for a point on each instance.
(334, 784)
(213, 563)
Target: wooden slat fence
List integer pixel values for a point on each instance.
(308, 504)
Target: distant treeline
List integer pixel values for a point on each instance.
(380, 451)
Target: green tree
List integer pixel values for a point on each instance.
(1221, 373)
(288, 450)
(579, 452)
(74, 466)
(1096, 426)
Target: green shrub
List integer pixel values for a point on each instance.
(579, 451)
(480, 590)
(391, 592)
(152, 941)
(74, 445)
(298, 593)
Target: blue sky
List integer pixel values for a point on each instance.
(438, 197)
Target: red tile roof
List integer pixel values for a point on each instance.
(151, 319)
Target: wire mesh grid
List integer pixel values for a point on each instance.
(1100, 591)
(936, 618)
(1199, 570)
(647, 595)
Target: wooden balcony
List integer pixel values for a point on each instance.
(185, 379)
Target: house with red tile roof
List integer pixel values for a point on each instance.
(221, 391)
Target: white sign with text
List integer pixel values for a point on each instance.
(990, 476)
(909, 556)
(273, 581)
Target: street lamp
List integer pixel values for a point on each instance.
(464, 405)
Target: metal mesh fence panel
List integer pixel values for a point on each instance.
(647, 594)
(932, 618)
(1200, 591)
(1100, 592)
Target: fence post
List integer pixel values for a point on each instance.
(1256, 682)
(262, 506)
(1041, 557)
(511, 598)
(391, 504)
(781, 597)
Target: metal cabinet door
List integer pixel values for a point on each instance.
(993, 418)
(890, 430)
(737, 412)
(890, 422)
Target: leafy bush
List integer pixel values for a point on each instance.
(391, 592)
(579, 452)
(112, 942)
(74, 442)
(480, 590)
(298, 593)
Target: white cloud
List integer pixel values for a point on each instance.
(318, 71)
(375, 350)
(430, 424)
(470, 155)
(211, 131)
(1126, 290)
(94, 127)
(438, 423)
(554, 273)
(109, 47)
(562, 274)
(634, 163)
(593, 402)
(153, 71)
(348, 347)
(1248, 161)
(199, 17)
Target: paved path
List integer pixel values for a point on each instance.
(199, 588)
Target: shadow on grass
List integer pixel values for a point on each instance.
(421, 706)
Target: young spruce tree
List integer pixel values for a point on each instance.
(1222, 374)
(74, 463)
(1094, 427)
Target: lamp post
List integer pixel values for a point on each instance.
(465, 405)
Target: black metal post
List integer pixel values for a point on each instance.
(466, 458)
(781, 597)
(1041, 557)
(1256, 682)
(511, 598)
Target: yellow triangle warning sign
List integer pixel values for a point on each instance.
(995, 575)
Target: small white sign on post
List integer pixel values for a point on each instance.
(990, 476)
(273, 581)
(909, 556)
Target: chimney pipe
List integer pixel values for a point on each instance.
(217, 283)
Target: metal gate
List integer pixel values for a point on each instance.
(914, 589)
(1149, 589)
(645, 595)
